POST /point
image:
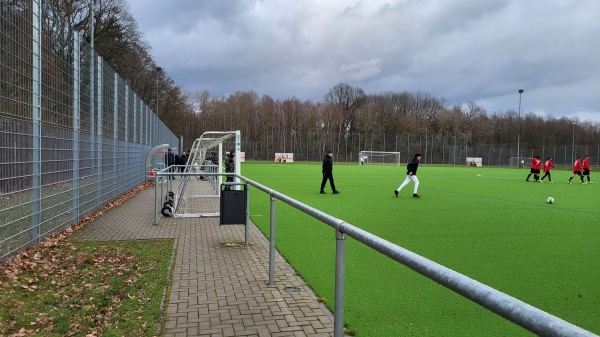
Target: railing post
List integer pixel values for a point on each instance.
(340, 264)
(157, 202)
(272, 243)
(247, 219)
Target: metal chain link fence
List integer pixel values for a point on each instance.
(435, 148)
(73, 135)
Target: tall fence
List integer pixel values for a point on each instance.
(435, 148)
(73, 135)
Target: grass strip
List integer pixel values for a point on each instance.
(86, 289)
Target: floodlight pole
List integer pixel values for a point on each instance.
(158, 70)
(519, 132)
(426, 129)
(573, 148)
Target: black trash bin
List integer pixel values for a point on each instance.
(233, 204)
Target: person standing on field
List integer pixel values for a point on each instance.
(577, 170)
(327, 170)
(586, 169)
(547, 166)
(411, 175)
(536, 164)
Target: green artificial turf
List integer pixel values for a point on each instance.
(486, 223)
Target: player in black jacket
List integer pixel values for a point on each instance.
(328, 172)
(411, 174)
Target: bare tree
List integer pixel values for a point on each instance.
(348, 99)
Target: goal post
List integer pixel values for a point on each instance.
(196, 192)
(378, 158)
(211, 148)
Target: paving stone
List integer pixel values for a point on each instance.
(218, 290)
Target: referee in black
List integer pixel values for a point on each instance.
(328, 173)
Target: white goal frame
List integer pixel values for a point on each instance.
(192, 192)
(378, 158)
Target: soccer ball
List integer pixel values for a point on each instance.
(550, 200)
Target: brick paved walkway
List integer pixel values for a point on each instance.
(220, 287)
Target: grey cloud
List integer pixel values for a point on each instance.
(462, 50)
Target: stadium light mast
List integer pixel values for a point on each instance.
(573, 148)
(158, 70)
(426, 129)
(519, 132)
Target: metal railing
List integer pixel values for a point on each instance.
(514, 310)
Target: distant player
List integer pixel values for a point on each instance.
(411, 175)
(586, 169)
(536, 165)
(547, 166)
(577, 170)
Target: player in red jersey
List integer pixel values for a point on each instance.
(536, 164)
(586, 169)
(547, 166)
(577, 170)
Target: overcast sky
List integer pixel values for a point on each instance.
(479, 50)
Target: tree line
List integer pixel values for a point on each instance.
(347, 110)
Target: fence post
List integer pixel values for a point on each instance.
(142, 112)
(142, 121)
(340, 264)
(127, 140)
(99, 151)
(135, 107)
(36, 103)
(115, 135)
(76, 123)
(272, 243)
(92, 97)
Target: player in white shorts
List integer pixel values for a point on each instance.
(411, 175)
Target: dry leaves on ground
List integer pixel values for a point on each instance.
(55, 266)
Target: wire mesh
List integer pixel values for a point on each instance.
(61, 159)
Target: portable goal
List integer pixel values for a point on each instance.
(379, 158)
(192, 190)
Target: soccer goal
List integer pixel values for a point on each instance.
(379, 158)
(196, 192)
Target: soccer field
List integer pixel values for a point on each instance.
(486, 223)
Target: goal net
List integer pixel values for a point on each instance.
(195, 193)
(378, 158)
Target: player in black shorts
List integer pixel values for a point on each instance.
(586, 169)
